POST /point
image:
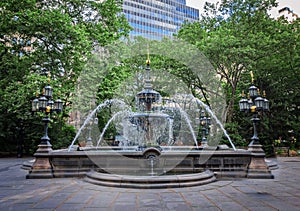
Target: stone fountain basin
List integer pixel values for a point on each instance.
(223, 163)
(151, 167)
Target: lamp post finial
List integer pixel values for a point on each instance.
(252, 77)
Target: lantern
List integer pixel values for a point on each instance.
(35, 105)
(58, 105)
(259, 102)
(48, 91)
(253, 91)
(43, 103)
(243, 104)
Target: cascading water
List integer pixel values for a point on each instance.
(171, 139)
(91, 115)
(206, 107)
(133, 132)
(188, 121)
(107, 124)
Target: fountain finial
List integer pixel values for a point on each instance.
(148, 96)
(148, 84)
(148, 56)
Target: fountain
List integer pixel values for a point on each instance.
(156, 146)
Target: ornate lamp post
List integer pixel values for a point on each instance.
(255, 104)
(42, 167)
(205, 122)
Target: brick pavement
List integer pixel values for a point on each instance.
(18, 193)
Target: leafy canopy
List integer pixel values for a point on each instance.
(39, 36)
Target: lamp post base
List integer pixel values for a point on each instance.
(258, 169)
(41, 168)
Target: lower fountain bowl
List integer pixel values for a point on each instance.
(161, 181)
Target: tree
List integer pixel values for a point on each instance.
(239, 37)
(233, 38)
(38, 37)
(280, 74)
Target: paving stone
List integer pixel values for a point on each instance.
(18, 193)
(199, 201)
(132, 197)
(79, 198)
(153, 196)
(261, 208)
(123, 207)
(229, 190)
(153, 208)
(290, 200)
(178, 206)
(100, 202)
(148, 202)
(218, 197)
(206, 209)
(18, 207)
(48, 204)
(247, 202)
(171, 197)
(202, 203)
(281, 205)
(70, 207)
(6, 203)
(229, 205)
(94, 209)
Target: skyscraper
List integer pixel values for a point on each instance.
(155, 19)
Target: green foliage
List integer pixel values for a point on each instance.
(103, 116)
(233, 129)
(38, 37)
(238, 37)
(61, 134)
(232, 40)
(280, 77)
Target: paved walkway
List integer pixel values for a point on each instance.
(281, 193)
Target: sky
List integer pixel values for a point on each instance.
(294, 5)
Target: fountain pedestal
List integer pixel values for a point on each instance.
(258, 169)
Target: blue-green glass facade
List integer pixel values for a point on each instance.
(155, 19)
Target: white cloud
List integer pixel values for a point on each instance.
(294, 5)
(199, 4)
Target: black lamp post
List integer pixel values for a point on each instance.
(205, 122)
(46, 105)
(254, 104)
(42, 167)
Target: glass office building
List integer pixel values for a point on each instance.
(155, 19)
